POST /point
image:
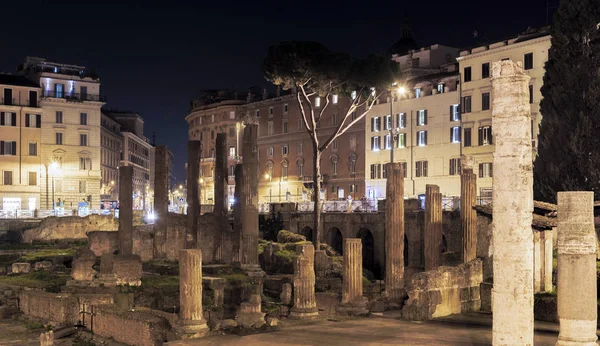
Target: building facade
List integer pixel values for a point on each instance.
(20, 140)
(112, 144)
(530, 49)
(70, 132)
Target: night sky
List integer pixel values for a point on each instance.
(154, 58)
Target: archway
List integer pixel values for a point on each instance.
(335, 239)
(368, 252)
(308, 233)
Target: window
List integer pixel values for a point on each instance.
(33, 120)
(334, 98)
(232, 171)
(418, 92)
(231, 114)
(231, 151)
(485, 101)
(466, 104)
(284, 170)
(300, 145)
(375, 124)
(422, 117)
(467, 74)
(384, 171)
(33, 99)
(33, 149)
(421, 169)
(59, 89)
(269, 128)
(334, 167)
(485, 170)
(85, 163)
(59, 138)
(401, 120)
(454, 166)
(454, 113)
(232, 132)
(284, 126)
(455, 134)
(333, 189)
(270, 111)
(375, 146)
(440, 88)
(82, 186)
(7, 177)
(388, 142)
(376, 171)
(530, 93)
(284, 150)
(485, 70)
(528, 61)
(270, 151)
(8, 119)
(317, 101)
(285, 108)
(8, 148)
(352, 142)
(401, 140)
(82, 118)
(212, 135)
(59, 117)
(300, 167)
(352, 188)
(32, 178)
(421, 138)
(388, 123)
(334, 144)
(485, 135)
(334, 119)
(467, 139)
(83, 140)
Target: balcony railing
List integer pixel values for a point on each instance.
(73, 96)
(17, 102)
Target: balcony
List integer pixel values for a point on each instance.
(76, 97)
(21, 103)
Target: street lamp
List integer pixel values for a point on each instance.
(393, 131)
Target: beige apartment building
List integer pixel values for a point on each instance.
(20, 138)
(70, 132)
(530, 49)
(110, 158)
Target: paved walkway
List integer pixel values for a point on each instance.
(368, 331)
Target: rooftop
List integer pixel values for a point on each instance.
(527, 35)
(9, 79)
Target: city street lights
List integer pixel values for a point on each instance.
(393, 131)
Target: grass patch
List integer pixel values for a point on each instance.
(31, 325)
(39, 279)
(161, 281)
(46, 254)
(283, 261)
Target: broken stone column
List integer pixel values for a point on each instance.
(221, 176)
(249, 256)
(286, 294)
(547, 243)
(250, 314)
(468, 216)
(125, 210)
(191, 323)
(193, 194)
(353, 302)
(576, 274)
(237, 214)
(433, 227)
(47, 339)
(394, 233)
(305, 304)
(161, 201)
(513, 206)
(83, 260)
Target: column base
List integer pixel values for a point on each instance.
(250, 319)
(395, 297)
(185, 329)
(577, 333)
(358, 307)
(303, 314)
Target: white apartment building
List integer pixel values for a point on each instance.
(112, 144)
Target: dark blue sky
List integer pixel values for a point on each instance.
(154, 58)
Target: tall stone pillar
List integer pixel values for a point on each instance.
(433, 227)
(193, 194)
(547, 277)
(249, 256)
(305, 304)
(353, 302)
(125, 210)
(221, 176)
(576, 274)
(161, 200)
(237, 214)
(394, 233)
(191, 322)
(513, 206)
(468, 216)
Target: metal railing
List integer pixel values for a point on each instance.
(41, 213)
(340, 206)
(73, 96)
(21, 103)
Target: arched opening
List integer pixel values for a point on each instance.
(444, 247)
(405, 251)
(336, 241)
(308, 233)
(368, 252)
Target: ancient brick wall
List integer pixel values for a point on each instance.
(69, 228)
(136, 328)
(59, 308)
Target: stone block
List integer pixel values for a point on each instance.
(4, 270)
(57, 308)
(43, 265)
(136, 328)
(288, 237)
(103, 242)
(228, 324)
(286, 294)
(213, 289)
(272, 321)
(485, 290)
(21, 268)
(128, 270)
(83, 260)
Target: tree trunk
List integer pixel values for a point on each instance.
(317, 197)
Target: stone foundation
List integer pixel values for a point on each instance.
(136, 328)
(69, 228)
(54, 307)
(128, 270)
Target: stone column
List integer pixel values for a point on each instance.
(513, 206)
(305, 304)
(433, 227)
(191, 322)
(125, 210)
(221, 176)
(249, 255)
(237, 214)
(576, 278)
(468, 216)
(547, 273)
(161, 200)
(394, 233)
(193, 194)
(353, 302)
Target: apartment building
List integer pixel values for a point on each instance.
(111, 141)
(20, 137)
(70, 132)
(530, 49)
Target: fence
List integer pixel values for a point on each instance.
(341, 206)
(39, 214)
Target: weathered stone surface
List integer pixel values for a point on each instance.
(57, 308)
(128, 270)
(191, 321)
(47, 339)
(236, 238)
(353, 302)
(69, 227)
(21, 268)
(136, 328)
(250, 315)
(249, 198)
(161, 200)
(286, 294)
(321, 263)
(272, 321)
(468, 216)
(83, 260)
(304, 283)
(576, 277)
(284, 236)
(394, 233)
(43, 265)
(433, 227)
(214, 289)
(193, 193)
(221, 175)
(513, 205)
(228, 324)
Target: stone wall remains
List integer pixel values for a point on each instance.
(136, 328)
(69, 228)
(59, 308)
